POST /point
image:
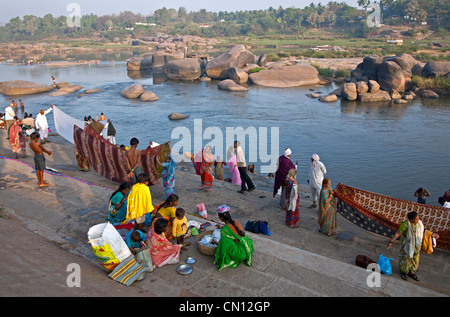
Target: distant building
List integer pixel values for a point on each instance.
(395, 42)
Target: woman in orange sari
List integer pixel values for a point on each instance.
(206, 169)
(17, 139)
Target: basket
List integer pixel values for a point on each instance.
(203, 249)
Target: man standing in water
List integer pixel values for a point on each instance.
(134, 161)
(39, 158)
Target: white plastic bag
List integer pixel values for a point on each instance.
(108, 245)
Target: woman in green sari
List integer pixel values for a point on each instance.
(234, 246)
(327, 209)
(411, 233)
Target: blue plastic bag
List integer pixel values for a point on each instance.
(385, 265)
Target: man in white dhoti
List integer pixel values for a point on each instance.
(315, 179)
(42, 124)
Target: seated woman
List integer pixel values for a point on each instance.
(234, 246)
(118, 204)
(167, 211)
(162, 251)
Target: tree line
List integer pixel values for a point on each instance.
(289, 21)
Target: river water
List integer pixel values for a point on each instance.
(385, 148)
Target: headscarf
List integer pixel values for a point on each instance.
(222, 209)
(316, 159)
(287, 152)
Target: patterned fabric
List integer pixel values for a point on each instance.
(382, 215)
(162, 250)
(128, 271)
(108, 160)
(168, 176)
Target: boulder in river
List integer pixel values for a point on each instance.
(238, 75)
(133, 92)
(64, 88)
(230, 85)
(22, 88)
(286, 76)
(380, 95)
(177, 116)
(238, 57)
(148, 96)
(329, 98)
(183, 69)
(390, 76)
(349, 91)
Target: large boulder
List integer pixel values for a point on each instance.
(133, 92)
(436, 69)
(64, 88)
(368, 68)
(161, 58)
(349, 91)
(361, 87)
(230, 85)
(183, 69)
(380, 95)
(286, 76)
(390, 76)
(148, 96)
(22, 88)
(329, 98)
(406, 63)
(238, 75)
(237, 57)
(134, 63)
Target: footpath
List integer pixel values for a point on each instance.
(43, 231)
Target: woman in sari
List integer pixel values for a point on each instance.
(232, 165)
(17, 140)
(327, 209)
(411, 233)
(162, 251)
(117, 211)
(168, 175)
(206, 169)
(167, 210)
(234, 246)
(292, 199)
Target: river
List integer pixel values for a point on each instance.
(385, 148)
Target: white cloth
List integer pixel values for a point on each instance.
(316, 174)
(413, 239)
(446, 204)
(64, 124)
(293, 198)
(287, 152)
(41, 120)
(9, 113)
(240, 157)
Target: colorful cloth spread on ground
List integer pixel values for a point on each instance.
(128, 271)
(108, 160)
(383, 215)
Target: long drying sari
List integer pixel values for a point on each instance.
(206, 169)
(411, 244)
(168, 176)
(162, 250)
(327, 211)
(233, 249)
(235, 176)
(292, 203)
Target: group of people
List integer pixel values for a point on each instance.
(155, 227)
(204, 162)
(99, 127)
(322, 193)
(423, 193)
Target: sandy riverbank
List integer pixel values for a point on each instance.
(89, 208)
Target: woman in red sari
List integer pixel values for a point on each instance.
(206, 169)
(17, 139)
(162, 250)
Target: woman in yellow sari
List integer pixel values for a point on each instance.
(139, 202)
(167, 211)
